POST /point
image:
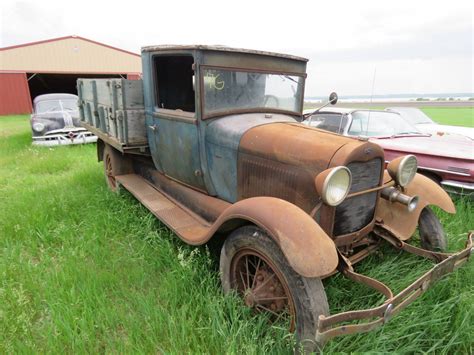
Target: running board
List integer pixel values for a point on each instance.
(183, 223)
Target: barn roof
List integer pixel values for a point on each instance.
(70, 54)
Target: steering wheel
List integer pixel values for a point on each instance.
(268, 101)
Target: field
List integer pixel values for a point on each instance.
(451, 116)
(84, 270)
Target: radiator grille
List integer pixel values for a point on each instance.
(356, 212)
(262, 177)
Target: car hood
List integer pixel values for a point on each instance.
(438, 128)
(60, 116)
(56, 120)
(444, 146)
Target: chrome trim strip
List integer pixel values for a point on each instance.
(444, 171)
(457, 184)
(439, 170)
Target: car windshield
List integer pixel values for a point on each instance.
(226, 90)
(333, 122)
(413, 115)
(56, 105)
(379, 124)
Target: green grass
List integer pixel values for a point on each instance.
(456, 116)
(85, 270)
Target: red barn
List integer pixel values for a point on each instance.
(52, 66)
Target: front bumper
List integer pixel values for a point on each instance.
(458, 187)
(66, 138)
(330, 326)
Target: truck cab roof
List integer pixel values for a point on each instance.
(218, 48)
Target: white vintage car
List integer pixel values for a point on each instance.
(55, 121)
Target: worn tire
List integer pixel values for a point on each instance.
(115, 163)
(432, 234)
(307, 294)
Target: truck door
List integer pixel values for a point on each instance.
(175, 125)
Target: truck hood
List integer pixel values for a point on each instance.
(274, 155)
(445, 146)
(295, 144)
(227, 131)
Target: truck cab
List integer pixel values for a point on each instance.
(199, 100)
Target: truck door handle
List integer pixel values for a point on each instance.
(153, 128)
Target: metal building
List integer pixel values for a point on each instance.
(53, 66)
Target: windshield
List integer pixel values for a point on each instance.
(379, 124)
(56, 105)
(333, 122)
(226, 90)
(413, 115)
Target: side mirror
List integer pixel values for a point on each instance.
(332, 100)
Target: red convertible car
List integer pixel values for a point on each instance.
(449, 159)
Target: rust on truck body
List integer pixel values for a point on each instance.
(272, 163)
(306, 246)
(430, 193)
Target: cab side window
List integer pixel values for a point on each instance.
(174, 88)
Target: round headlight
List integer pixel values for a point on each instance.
(334, 184)
(38, 126)
(403, 169)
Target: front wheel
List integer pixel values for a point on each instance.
(432, 234)
(253, 265)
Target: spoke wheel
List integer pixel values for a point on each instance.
(262, 285)
(109, 172)
(115, 164)
(253, 265)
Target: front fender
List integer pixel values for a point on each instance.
(396, 215)
(307, 248)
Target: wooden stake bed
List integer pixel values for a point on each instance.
(113, 109)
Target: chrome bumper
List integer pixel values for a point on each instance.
(328, 327)
(458, 187)
(65, 139)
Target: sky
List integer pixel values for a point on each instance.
(354, 47)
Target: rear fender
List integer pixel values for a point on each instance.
(404, 223)
(307, 248)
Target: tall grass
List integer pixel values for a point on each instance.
(84, 270)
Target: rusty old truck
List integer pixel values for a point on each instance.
(211, 142)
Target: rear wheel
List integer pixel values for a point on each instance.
(115, 164)
(432, 234)
(253, 265)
